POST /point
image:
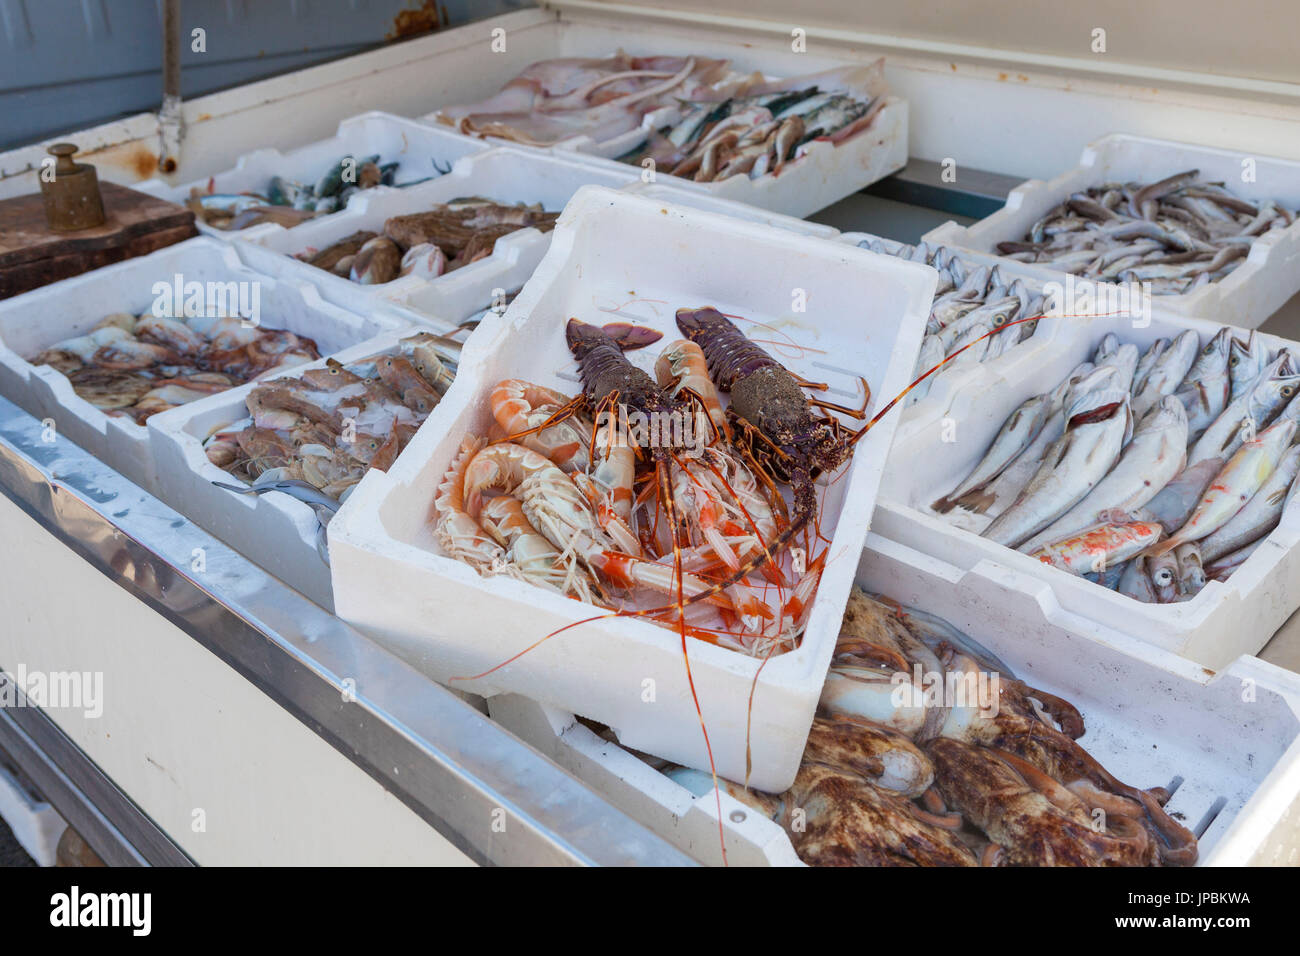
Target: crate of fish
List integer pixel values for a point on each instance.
(983, 309)
(645, 513)
(1205, 231)
(288, 189)
(1130, 475)
(697, 199)
(1001, 748)
(789, 144)
(100, 355)
(445, 246)
(265, 467)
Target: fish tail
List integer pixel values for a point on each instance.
(977, 501)
(943, 505)
(1163, 547)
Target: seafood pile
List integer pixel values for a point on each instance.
(1177, 234)
(756, 127)
(1150, 473)
(288, 202)
(135, 367)
(428, 244)
(554, 100)
(894, 776)
(724, 123)
(971, 303)
(315, 434)
(569, 494)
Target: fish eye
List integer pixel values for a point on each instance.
(1288, 390)
(1235, 360)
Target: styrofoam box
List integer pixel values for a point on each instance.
(699, 199)
(38, 319)
(824, 174)
(35, 824)
(1152, 719)
(504, 174)
(1224, 620)
(864, 317)
(417, 146)
(1250, 294)
(274, 529)
(944, 386)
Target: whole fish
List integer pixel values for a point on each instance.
(1177, 499)
(1167, 373)
(1247, 413)
(1206, 389)
(1191, 573)
(1261, 514)
(1154, 456)
(1136, 583)
(1243, 475)
(1124, 360)
(1017, 432)
(302, 490)
(1007, 487)
(1247, 361)
(931, 354)
(1163, 569)
(1098, 547)
(1096, 427)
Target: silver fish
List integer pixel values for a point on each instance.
(1191, 573)
(302, 490)
(1261, 514)
(1247, 413)
(1016, 434)
(1247, 362)
(1243, 475)
(1205, 390)
(1154, 456)
(1167, 373)
(1148, 361)
(1124, 360)
(931, 354)
(1096, 428)
(1136, 582)
(1098, 546)
(1221, 568)
(1173, 505)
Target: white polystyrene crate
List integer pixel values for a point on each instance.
(1151, 717)
(275, 530)
(505, 174)
(1251, 293)
(38, 319)
(36, 825)
(938, 448)
(422, 149)
(823, 175)
(945, 386)
(614, 251)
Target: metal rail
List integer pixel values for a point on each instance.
(442, 758)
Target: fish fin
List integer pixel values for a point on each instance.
(943, 505)
(1162, 547)
(977, 501)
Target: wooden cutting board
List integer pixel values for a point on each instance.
(31, 255)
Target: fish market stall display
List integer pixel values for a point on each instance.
(444, 246)
(820, 136)
(1147, 464)
(266, 467)
(429, 243)
(106, 355)
(977, 315)
(268, 186)
(1184, 221)
(640, 441)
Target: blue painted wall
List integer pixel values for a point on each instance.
(69, 64)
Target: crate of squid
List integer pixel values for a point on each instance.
(104, 356)
(695, 566)
(1132, 474)
(911, 763)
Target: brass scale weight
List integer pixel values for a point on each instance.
(71, 195)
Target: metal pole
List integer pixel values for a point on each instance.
(169, 117)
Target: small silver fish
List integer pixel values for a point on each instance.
(1017, 432)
